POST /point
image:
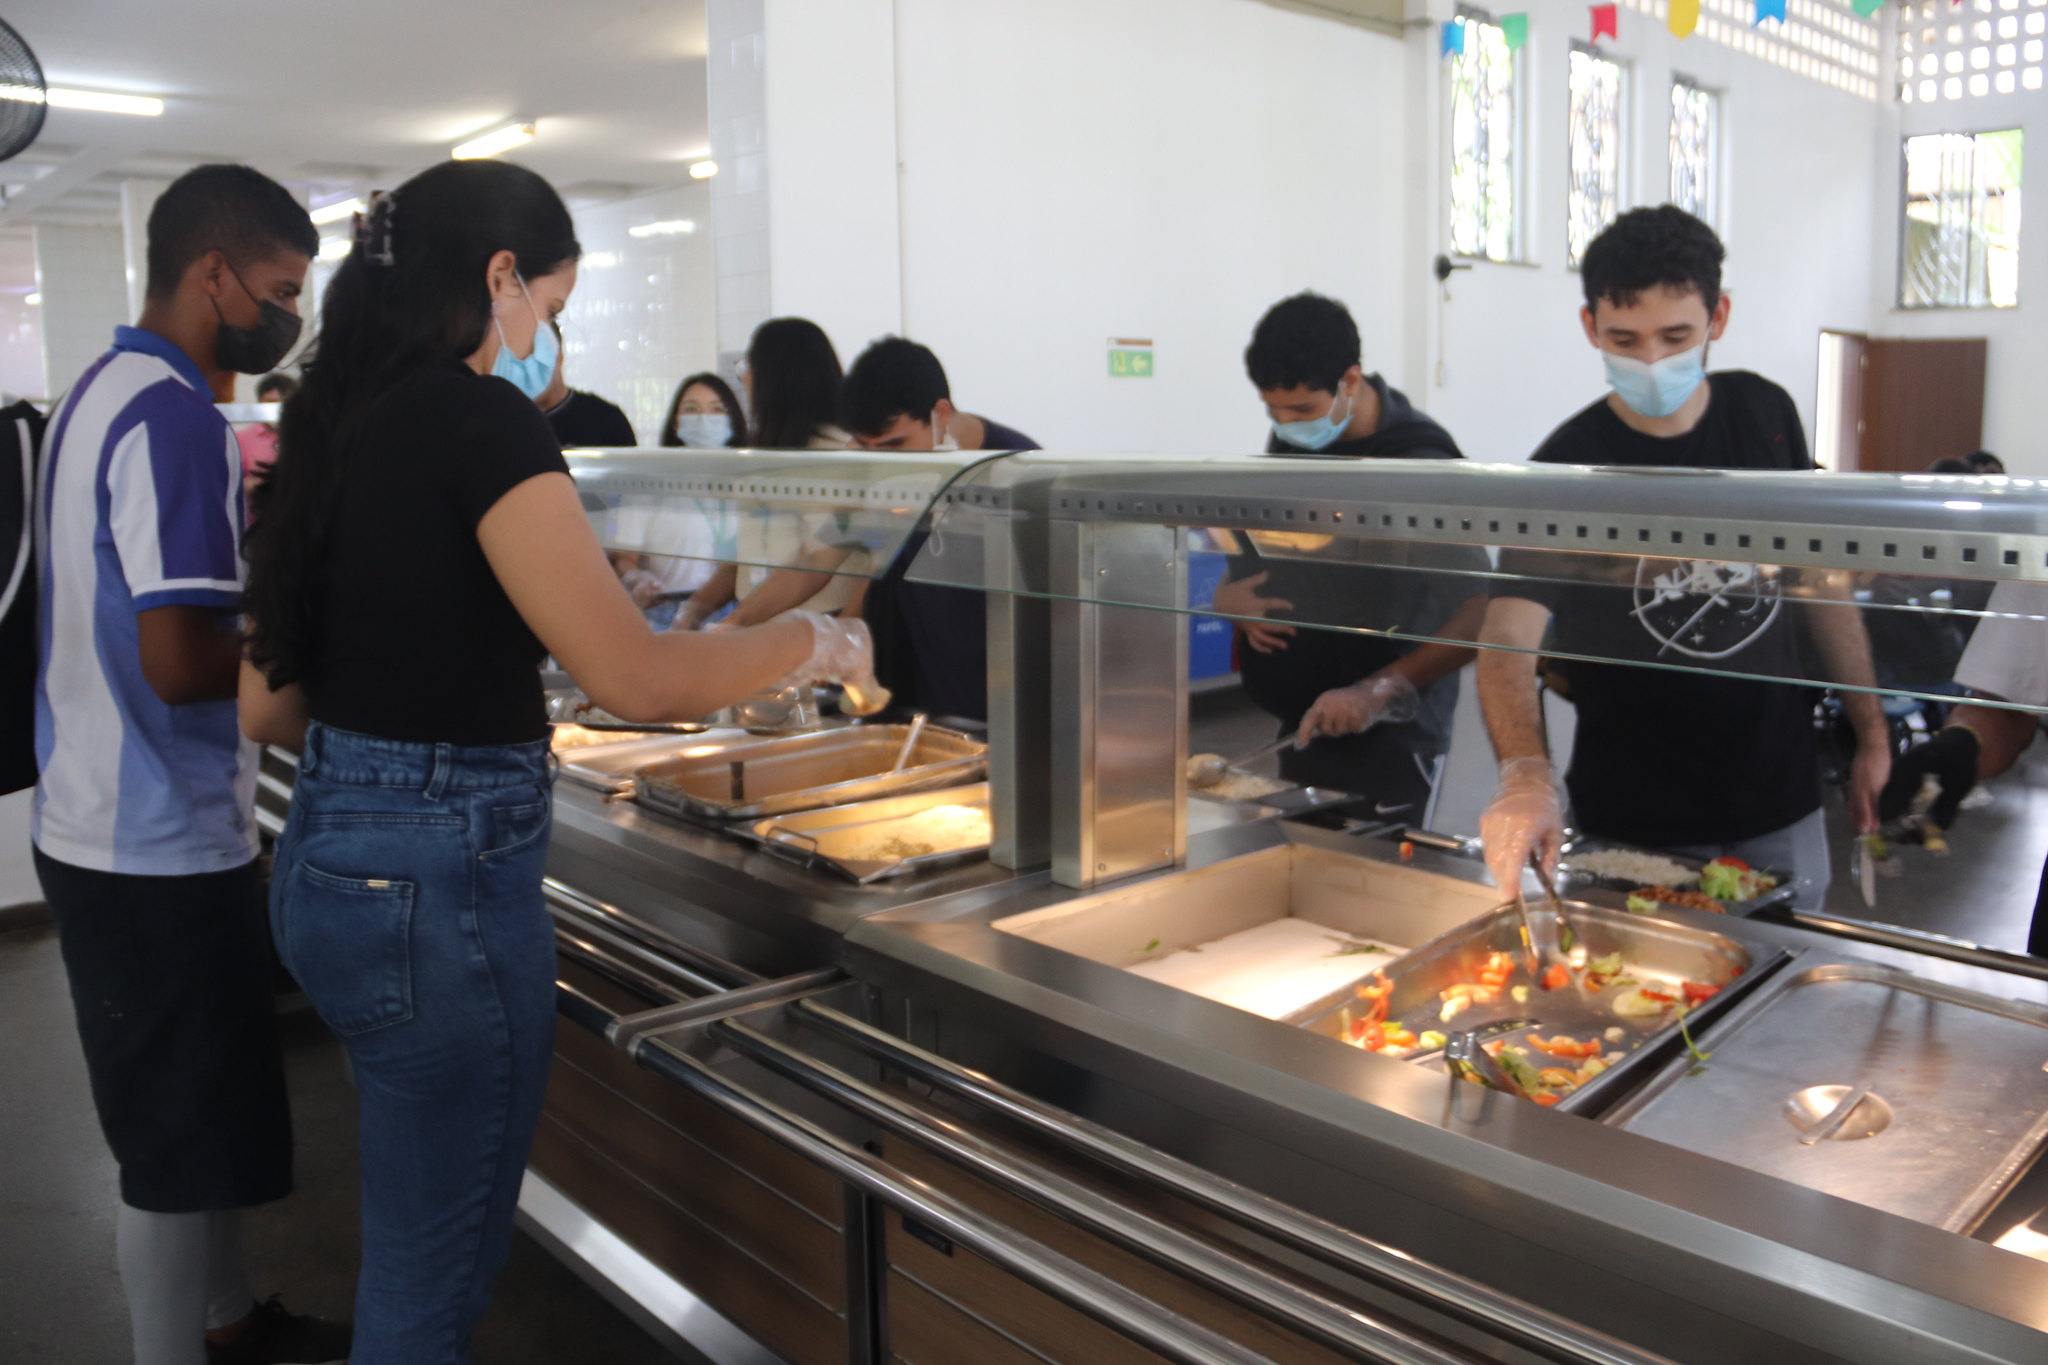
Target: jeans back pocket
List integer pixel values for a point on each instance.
(513, 826)
(348, 940)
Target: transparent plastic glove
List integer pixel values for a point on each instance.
(1383, 698)
(1526, 819)
(842, 652)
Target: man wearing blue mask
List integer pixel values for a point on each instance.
(1371, 715)
(1685, 759)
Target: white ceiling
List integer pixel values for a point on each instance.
(333, 99)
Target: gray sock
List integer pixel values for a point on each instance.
(163, 1258)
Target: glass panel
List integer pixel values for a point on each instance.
(1868, 582)
(1961, 221)
(837, 513)
(1695, 131)
(1483, 138)
(1594, 198)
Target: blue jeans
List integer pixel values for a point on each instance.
(407, 902)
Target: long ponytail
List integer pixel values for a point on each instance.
(411, 293)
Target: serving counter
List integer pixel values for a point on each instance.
(942, 1118)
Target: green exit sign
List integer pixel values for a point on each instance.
(1130, 358)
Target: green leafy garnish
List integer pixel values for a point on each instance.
(1151, 947)
(1686, 1033)
(1351, 947)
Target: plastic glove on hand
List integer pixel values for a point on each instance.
(843, 652)
(1525, 821)
(1383, 698)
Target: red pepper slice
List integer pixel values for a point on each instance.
(1695, 992)
(1736, 863)
(1659, 996)
(1545, 1100)
(1557, 978)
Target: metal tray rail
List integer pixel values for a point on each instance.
(1655, 951)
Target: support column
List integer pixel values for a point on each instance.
(138, 197)
(81, 273)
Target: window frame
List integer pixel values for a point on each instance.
(1717, 161)
(1519, 145)
(1621, 139)
(1899, 303)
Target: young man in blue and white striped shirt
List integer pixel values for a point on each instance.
(144, 830)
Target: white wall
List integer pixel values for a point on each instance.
(21, 349)
(644, 312)
(2018, 354)
(1796, 217)
(1077, 170)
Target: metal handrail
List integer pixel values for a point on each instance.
(611, 925)
(593, 958)
(1462, 1299)
(1065, 1279)
(1274, 1297)
(1913, 941)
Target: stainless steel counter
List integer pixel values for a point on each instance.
(1677, 1252)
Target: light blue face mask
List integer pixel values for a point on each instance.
(532, 375)
(704, 430)
(1657, 389)
(1315, 433)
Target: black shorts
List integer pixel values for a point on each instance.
(170, 979)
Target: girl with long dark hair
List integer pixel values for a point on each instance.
(420, 549)
(705, 415)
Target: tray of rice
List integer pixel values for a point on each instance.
(872, 841)
(1647, 882)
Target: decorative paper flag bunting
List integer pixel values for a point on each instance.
(1454, 38)
(1770, 9)
(1866, 8)
(1606, 20)
(1514, 28)
(1685, 17)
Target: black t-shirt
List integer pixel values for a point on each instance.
(1669, 758)
(931, 641)
(584, 419)
(413, 638)
(1410, 586)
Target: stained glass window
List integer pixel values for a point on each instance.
(1962, 221)
(1485, 129)
(1695, 148)
(1595, 197)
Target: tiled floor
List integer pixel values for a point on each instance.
(60, 1297)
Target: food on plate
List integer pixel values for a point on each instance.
(1731, 879)
(577, 737)
(1644, 900)
(1626, 865)
(942, 829)
(1237, 786)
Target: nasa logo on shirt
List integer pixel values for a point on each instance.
(1704, 608)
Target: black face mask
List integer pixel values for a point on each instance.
(258, 349)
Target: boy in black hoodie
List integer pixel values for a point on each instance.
(1373, 714)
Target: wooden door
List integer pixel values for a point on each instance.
(1922, 401)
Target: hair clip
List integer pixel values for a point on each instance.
(373, 229)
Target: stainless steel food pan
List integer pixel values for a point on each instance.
(841, 838)
(804, 772)
(610, 767)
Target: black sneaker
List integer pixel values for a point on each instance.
(277, 1337)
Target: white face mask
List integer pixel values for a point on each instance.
(704, 430)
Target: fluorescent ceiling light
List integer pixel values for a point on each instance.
(334, 213)
(703, 170)
(96, 101)
(32, 299)
(668, 227)
(334, 248)
(496, 141)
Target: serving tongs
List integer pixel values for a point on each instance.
(1466, 1057)
(1541, 942)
